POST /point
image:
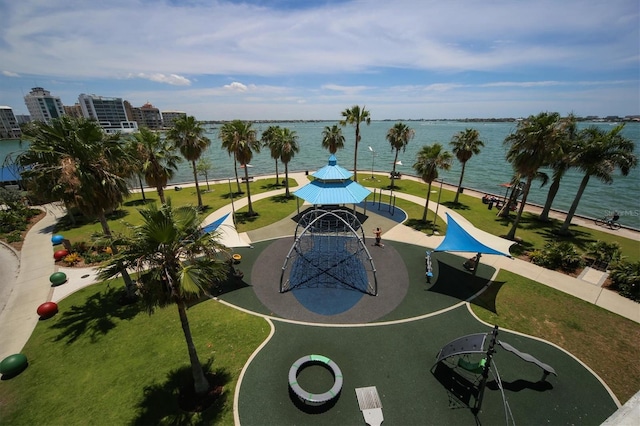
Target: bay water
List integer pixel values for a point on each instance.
(484, 172)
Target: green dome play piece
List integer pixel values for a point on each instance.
(13, 364)
(58, 278)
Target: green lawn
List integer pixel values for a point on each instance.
(90, 364)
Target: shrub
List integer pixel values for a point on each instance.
(14, 237)
(80, 247)
(71, 259)
(604, 252)
(554, 256)
(625, 278)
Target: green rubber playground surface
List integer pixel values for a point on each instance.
(396, 353)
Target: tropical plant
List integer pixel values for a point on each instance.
(429, 160)
(176, 262)
(240, 139)
(355, 116)
(604, 252)
(332, 138)
(157, 158)
(272, 139)
(557, 255)
(561, 160)
(399, 136)
(600, 154)
(465, 144)
(188, 136)
(529, 149)
(625, 278)
(288, 149)
(204, 166)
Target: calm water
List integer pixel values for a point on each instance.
(484, 172)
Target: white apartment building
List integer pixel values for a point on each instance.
(42, 105)
(109, 112)
(9, 128)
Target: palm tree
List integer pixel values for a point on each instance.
(158, 159)
(429, 160)
(240, 139)
(355, 116)
(288, 149)
(561, 160)
(272, 139)
(332, 138)
(176, 262)
(73, 160)
(600, 153)
(204, 167)
(188, 135)
(530, 148)
(399, 136)
(465, 144)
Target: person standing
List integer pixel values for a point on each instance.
(378, 233)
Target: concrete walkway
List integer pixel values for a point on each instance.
(31, 286)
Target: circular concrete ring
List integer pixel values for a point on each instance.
(307, 397)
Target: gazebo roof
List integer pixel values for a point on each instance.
(332, 171)
(332, 185)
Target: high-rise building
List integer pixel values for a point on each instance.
(168, 117)
(9, 128)
(109, 112)
(73, 110)
(146, 115)
(42, 105)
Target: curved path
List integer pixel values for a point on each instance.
(31, 287)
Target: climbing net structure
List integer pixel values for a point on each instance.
(329, 251)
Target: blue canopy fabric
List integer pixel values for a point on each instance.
(459, 239)
(10, 174)
(213, 226)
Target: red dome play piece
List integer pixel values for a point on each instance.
(60, 254)
(47, 309)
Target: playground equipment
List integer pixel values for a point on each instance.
(455, 355)
(47, 310)
(329, 251)
(428, 267)
(58, 278)
(307, 397)
(13, 365)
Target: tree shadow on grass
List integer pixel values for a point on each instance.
(229, 195)
(161, 403)
(282, 198)
(95, 318)
(244, 217)
(272, 186)
(66, 223)
(140, 202)
(419, 225)
(456, 206)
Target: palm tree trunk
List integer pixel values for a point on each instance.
(286, 180)
(355, 154)
(128, 282)
(426, 204)
(160, 189)
(393, 173)
(512, 233)
(553, 190)
(235, 169)
(246, 175)
(144, 198)
(200, 383)
(277, 176)
(195, 179)
(455, 200)
(564, 230)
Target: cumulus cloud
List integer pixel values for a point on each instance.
(236, 87)
(172, 79)
(10, 74)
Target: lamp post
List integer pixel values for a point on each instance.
(373, 159)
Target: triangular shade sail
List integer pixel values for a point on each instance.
(464, 237)
(227, 234)
(345, 192)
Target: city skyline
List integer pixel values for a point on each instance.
(280, 60)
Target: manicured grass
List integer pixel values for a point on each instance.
(100, 363)
(606, 342)
(127, 215)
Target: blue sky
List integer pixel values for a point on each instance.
(287, 59)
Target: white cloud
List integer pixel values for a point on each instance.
(236, 87)
(172, 79)
(10, 74)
